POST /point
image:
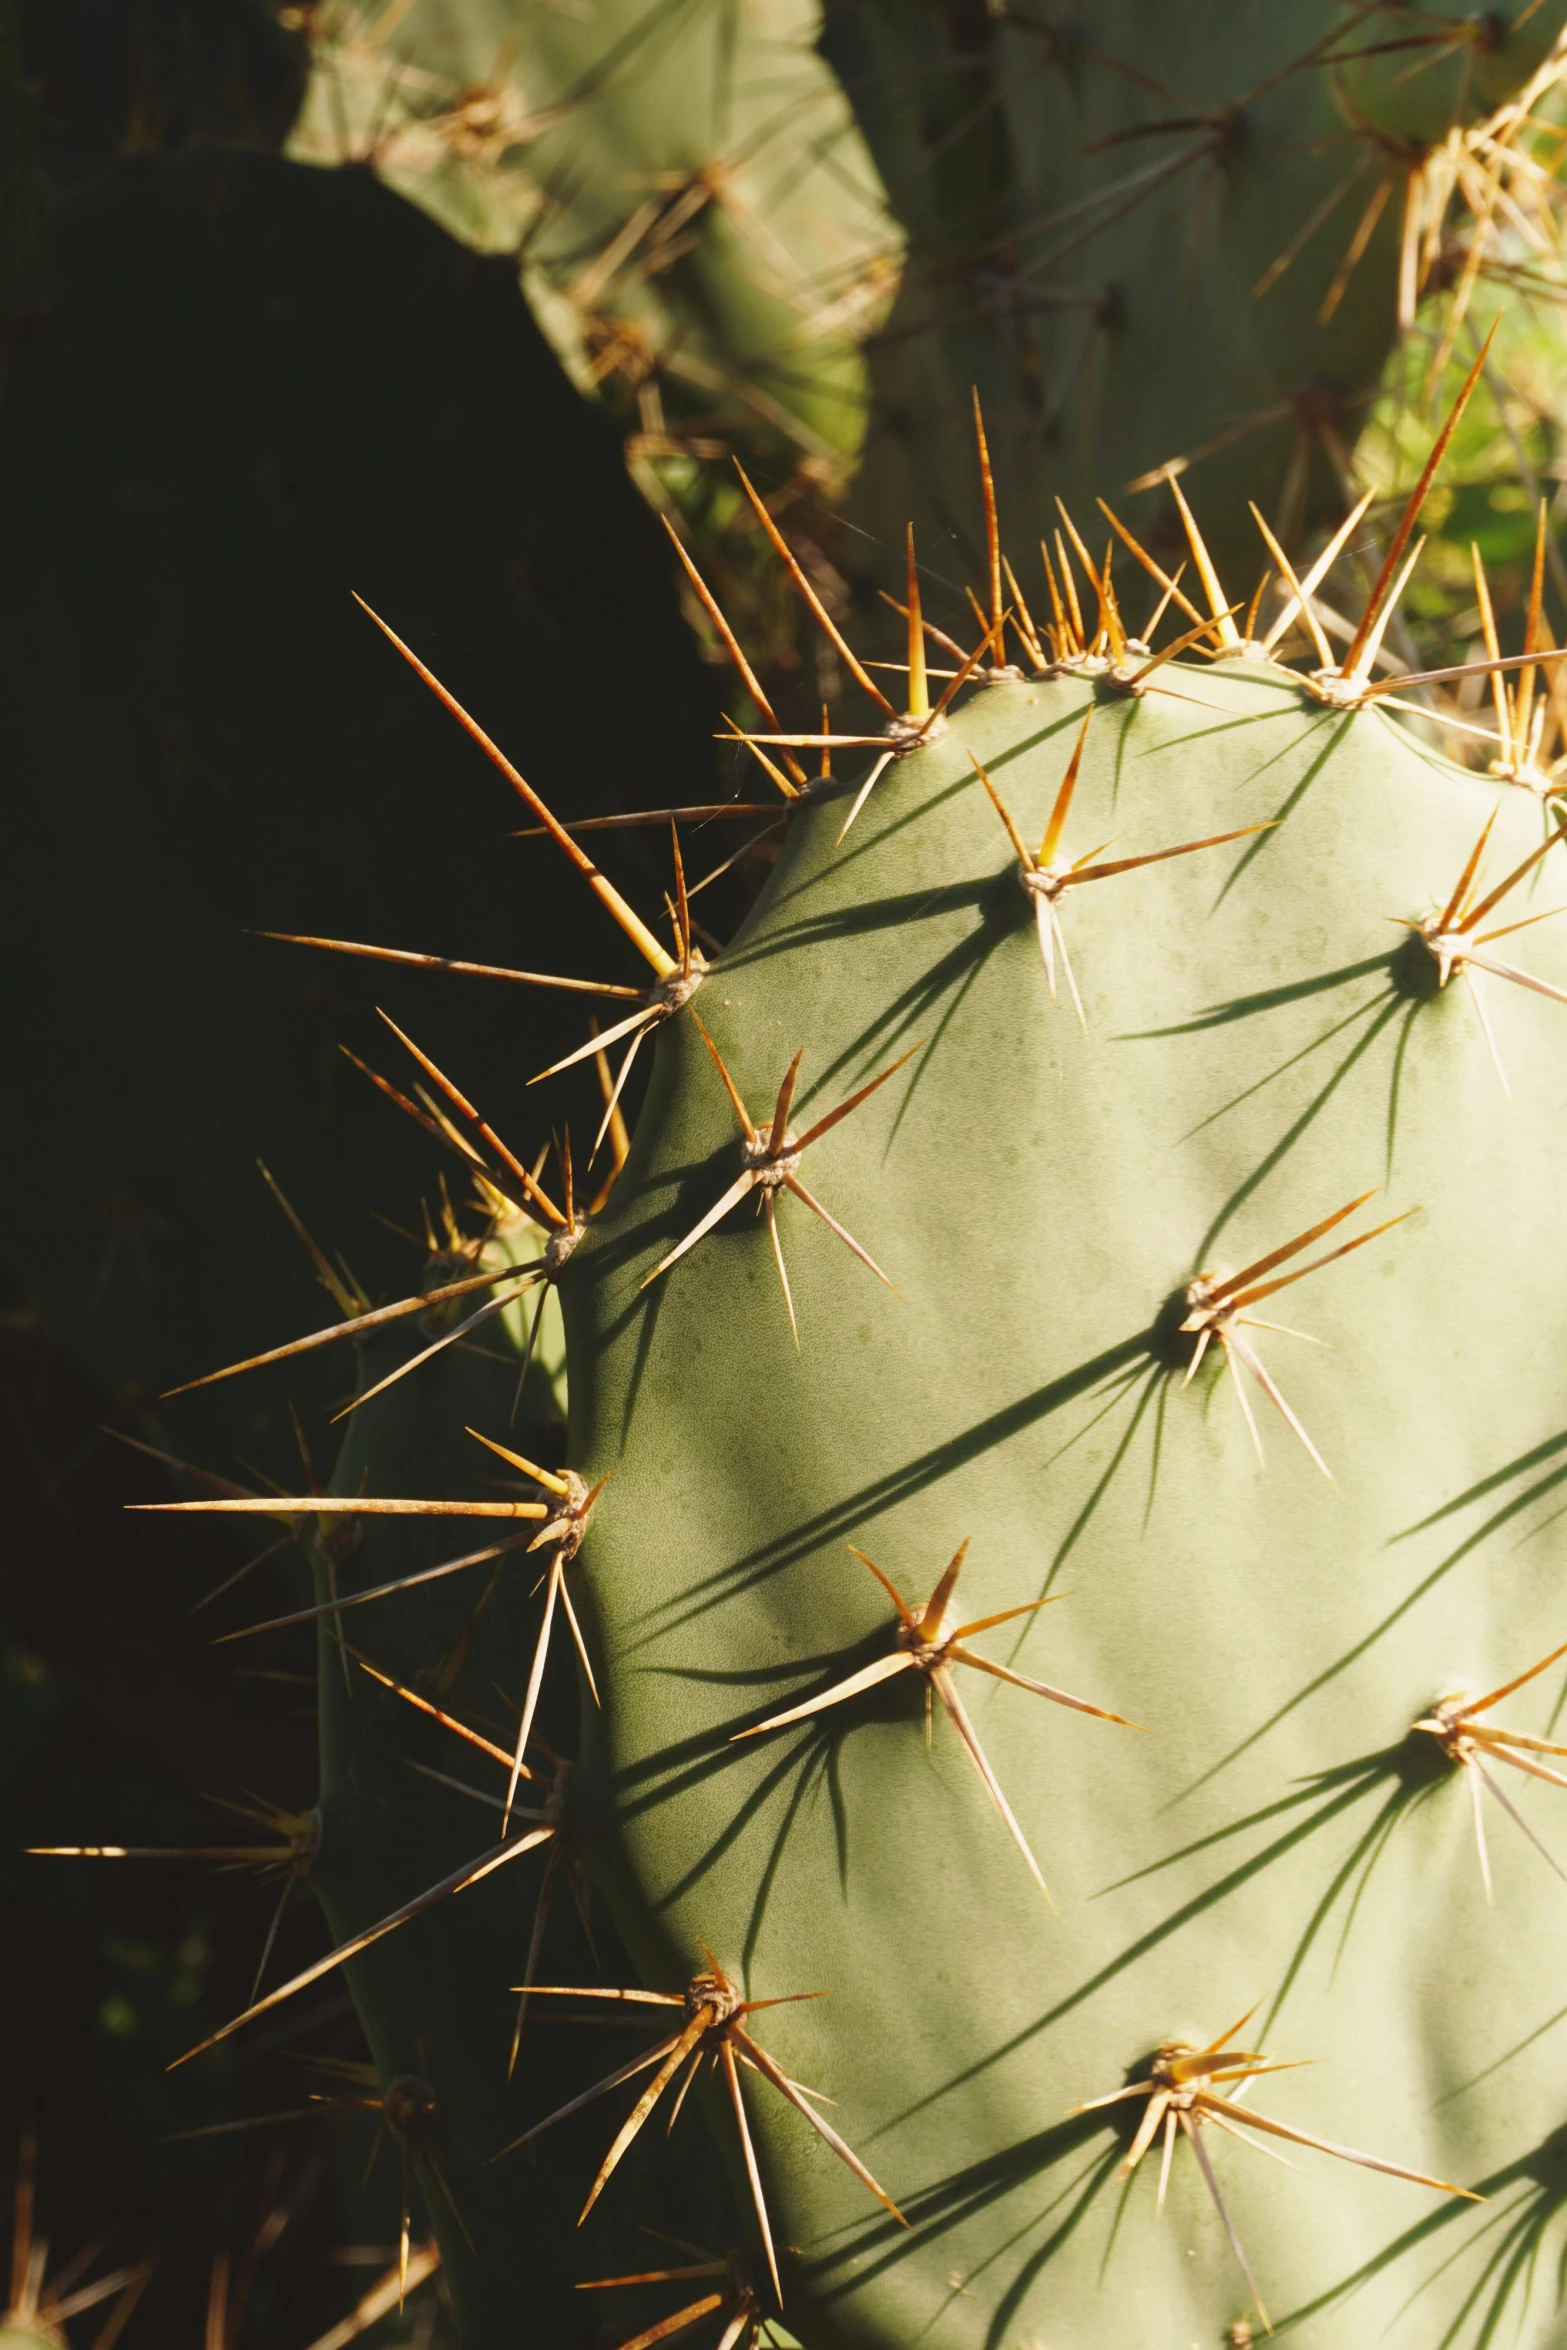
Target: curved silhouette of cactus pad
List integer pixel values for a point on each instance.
(1159, 1221)
(1153, 1344)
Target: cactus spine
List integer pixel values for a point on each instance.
(1169, 247)
(1087, 1109)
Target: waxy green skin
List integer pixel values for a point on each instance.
(1040, 1194)
(1095, 222)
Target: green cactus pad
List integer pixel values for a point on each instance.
(1160, 238)
(1265, 1041)
(696, 214)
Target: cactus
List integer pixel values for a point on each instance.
(701, 231)
(1083, 1115)
(1153, 246)
(1157, 246)
(1066, 1217)
(699, 216)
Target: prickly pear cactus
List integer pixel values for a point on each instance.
(700, 228)
(1265, 1041)
(1056, 1538)
(1168, 239)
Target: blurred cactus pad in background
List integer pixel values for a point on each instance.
(840, 734)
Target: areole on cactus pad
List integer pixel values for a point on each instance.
(1297, 1025)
